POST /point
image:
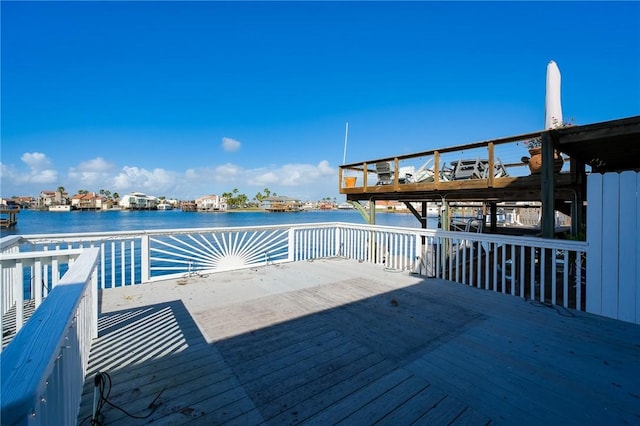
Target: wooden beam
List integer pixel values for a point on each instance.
(547, 187)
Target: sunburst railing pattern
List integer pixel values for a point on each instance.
(193, 253)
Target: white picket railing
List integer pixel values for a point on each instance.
(43, 368)
(549, 271)
(27, 279)
(546, 270)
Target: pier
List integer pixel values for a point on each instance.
(9, 217)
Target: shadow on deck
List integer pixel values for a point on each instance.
(369, 348)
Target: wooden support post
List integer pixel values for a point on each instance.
(547, 190)
(421, 217)
(372, 212)
(424, 215)
(493, 209)
(436, 169)
(491, 172)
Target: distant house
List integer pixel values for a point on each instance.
(138, 201)
(52, 198)
(211, 203)
(24, 202)
(281, 204)
(88, 201)
(391, 206)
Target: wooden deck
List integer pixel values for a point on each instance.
(337, 341)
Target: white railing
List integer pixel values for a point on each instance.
(49, 385)
(43, 368)
(545, 270)
(27, 279)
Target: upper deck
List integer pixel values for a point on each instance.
(601, 147)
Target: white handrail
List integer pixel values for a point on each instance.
(43, 368)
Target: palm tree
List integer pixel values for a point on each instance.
(59, 195)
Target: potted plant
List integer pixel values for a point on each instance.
(535, 160)
(535, 150)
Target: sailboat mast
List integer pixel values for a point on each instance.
(346, 135)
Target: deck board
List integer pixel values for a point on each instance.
(340, 341)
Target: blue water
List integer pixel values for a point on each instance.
(43, 222)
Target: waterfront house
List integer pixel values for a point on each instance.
(138, 201)
(281, 204)
(211, 203)
(89, 201)
(52, 198)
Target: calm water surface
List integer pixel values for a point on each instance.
(38, 222)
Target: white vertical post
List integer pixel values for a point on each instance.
(18, 290)
(292, 246)
(123, 252)
(145, 260)
(37, 282)
(594, 237)
(629, 257)
(132, 255)
(610, 250)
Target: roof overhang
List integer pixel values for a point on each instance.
(610, 146)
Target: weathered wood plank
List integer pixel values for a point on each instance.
(327, 390)
(378, 408)
(445, 412)
(414, 408)
(350, 404)
(362, 345)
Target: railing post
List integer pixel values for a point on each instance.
(292, 246)
(18, 290)
(145, 259)
(94, 302)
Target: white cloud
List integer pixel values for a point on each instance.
(44, 176)
(140, 179)
(40, 170)
(92, 172)
(227, 172)
(97, 164)
(293, 174)
(230, 145)
(35, 160)
(264, 179)
(309, 181)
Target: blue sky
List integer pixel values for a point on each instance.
(187, 99)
